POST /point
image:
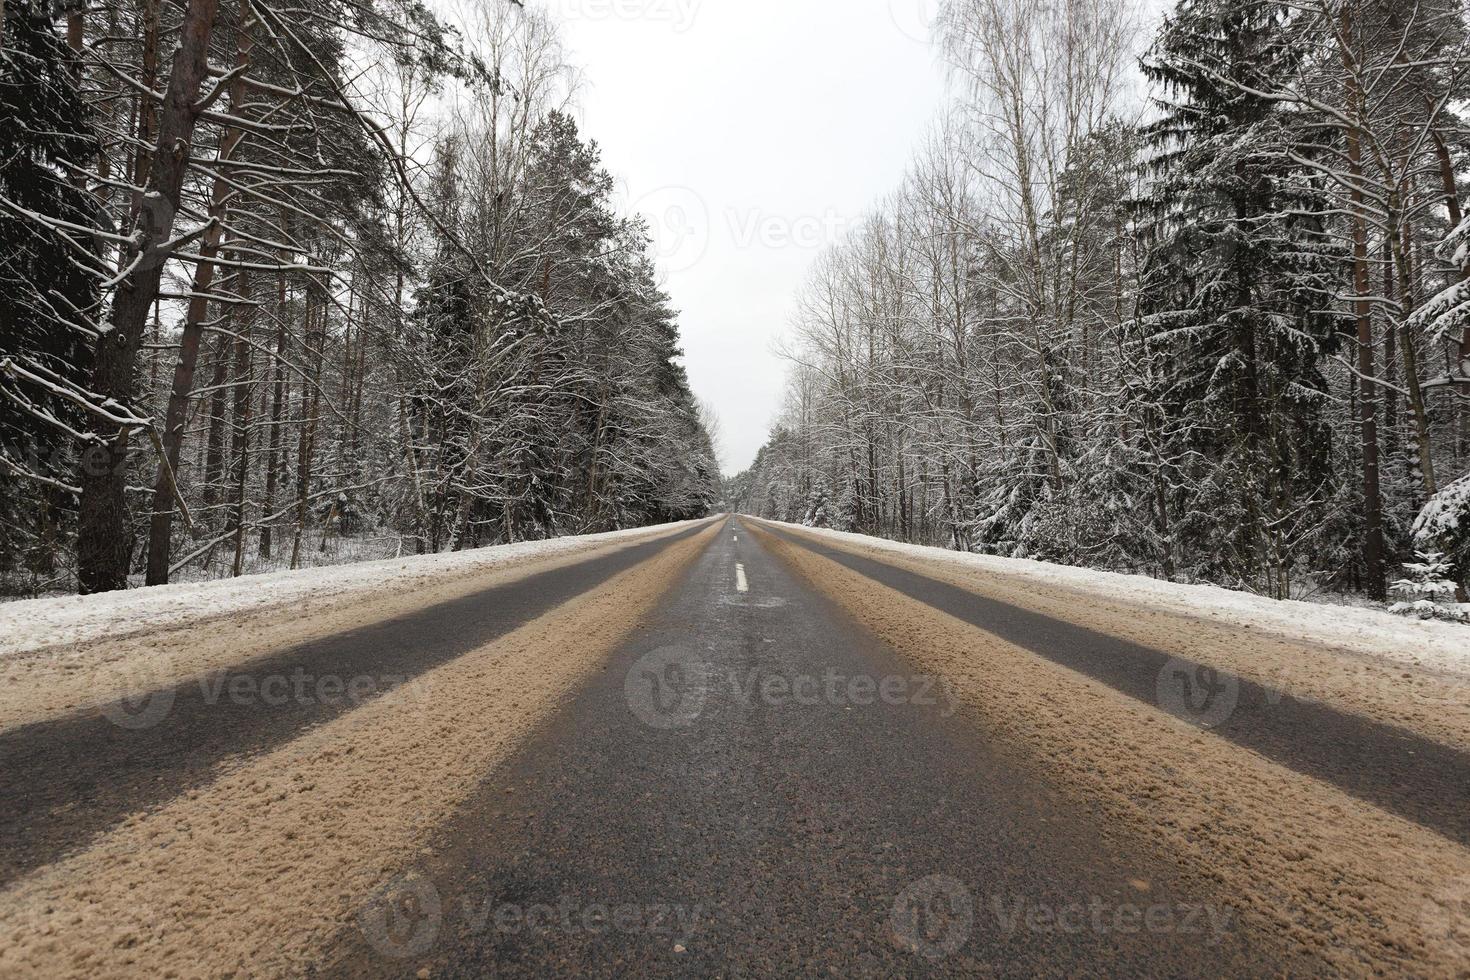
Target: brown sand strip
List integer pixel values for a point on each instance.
(45, 684)
(1369, 891)
(1431, 703)
(252, 873)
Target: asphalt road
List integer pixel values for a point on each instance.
(743, 780)
(1407, 774)
(745, 820)
(63, 782)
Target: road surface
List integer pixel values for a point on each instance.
(742, 749)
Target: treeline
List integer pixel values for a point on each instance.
(1222, 339)
(283, 285)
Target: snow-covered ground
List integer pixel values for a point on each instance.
(32, 624)
(1436, 645)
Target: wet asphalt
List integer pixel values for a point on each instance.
(1391, 768)
(754, 786)
(63, 782)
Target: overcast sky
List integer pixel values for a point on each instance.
(751, 133)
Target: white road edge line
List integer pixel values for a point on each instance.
(741, 585)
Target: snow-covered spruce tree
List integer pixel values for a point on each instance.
(47, 299)
(820, 510)
(1081, 497)
(847, 509)
(1383, 80)
(448, 328)
(1235, 302)
(1428, 592)
(1011, 492)
(1444, 522)
(1443, 528)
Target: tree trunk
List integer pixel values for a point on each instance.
(280, 397)
(160, 530)
(105, 537)
(278, 401)
(316, 342)
(240, 440)
(1424, 457)
(1373, 551)
(214, 446)
(1390, 352)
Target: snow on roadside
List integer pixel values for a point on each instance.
(1427, 644)
(34, 624)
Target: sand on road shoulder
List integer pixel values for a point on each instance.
(49, 683)
(1304, 862)
(1431, 702)
(251, 874)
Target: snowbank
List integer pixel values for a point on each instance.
(1435, 645)
(34, 624)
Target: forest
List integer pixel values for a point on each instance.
(283, 285)
(1188, 299)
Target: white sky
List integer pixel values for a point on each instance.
(751, 133)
